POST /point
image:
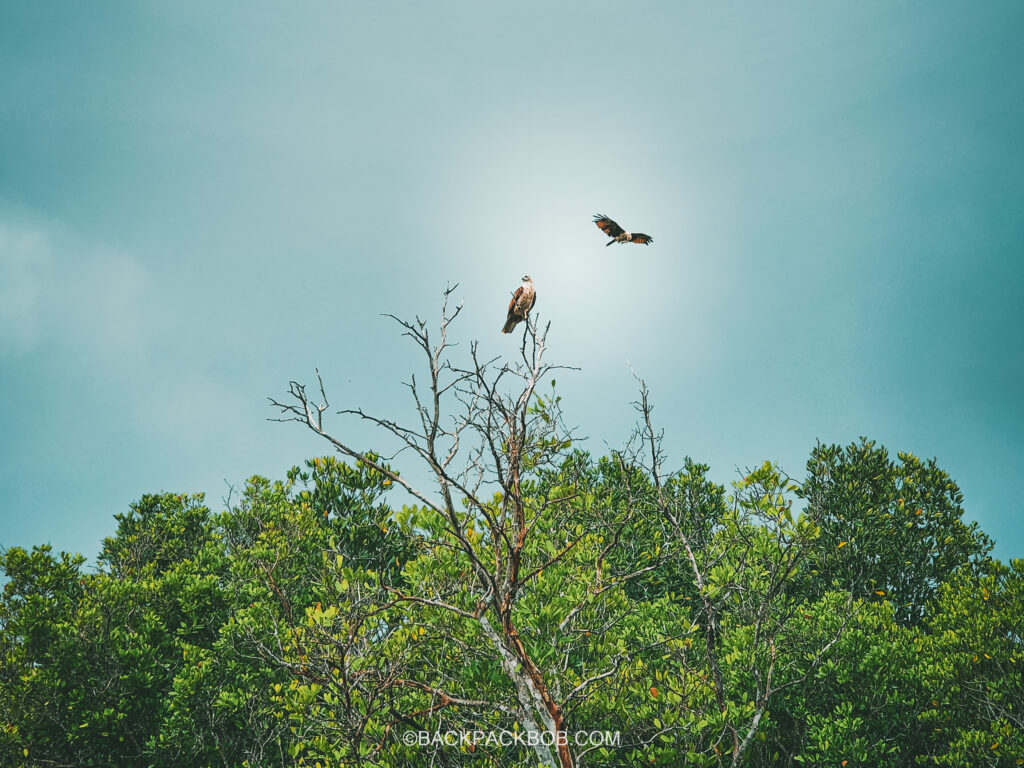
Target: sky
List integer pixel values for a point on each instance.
(200, 201)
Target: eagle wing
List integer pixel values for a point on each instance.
(515, 298)
(515, 312)
(512, 305)
(607, 226)
(640, 237)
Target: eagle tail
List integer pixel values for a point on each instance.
(510, 325)
(610, 242)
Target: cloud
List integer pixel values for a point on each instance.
(78, 299)
(24, 262)
(97, 318)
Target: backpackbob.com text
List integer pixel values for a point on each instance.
(504, 738)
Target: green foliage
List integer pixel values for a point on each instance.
(313, 623)
(157, 533)
(891, 529)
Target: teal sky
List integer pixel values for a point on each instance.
(200, 201)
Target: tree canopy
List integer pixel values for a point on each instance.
(343, 616)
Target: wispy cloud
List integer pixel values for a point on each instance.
(87, 301)
(24, 263)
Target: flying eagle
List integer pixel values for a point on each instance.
(522, 302)
(618, 234)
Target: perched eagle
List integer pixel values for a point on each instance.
(522, 302)
(618, 234)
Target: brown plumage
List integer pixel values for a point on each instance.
(618, 234)
(522, 302)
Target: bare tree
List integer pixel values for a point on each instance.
(492, 436)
